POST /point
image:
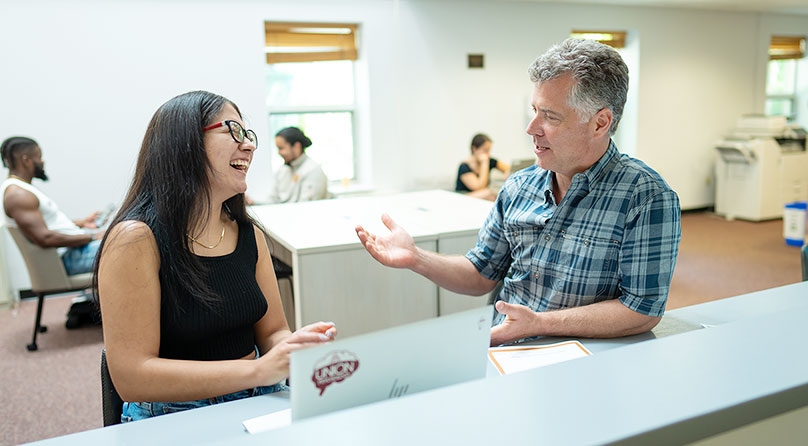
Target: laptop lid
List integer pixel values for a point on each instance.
(390, 363)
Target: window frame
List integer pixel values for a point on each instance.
(783, 49)
(318, 44)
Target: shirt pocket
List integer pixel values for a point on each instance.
(590, 265)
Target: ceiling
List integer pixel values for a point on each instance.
(767, 6)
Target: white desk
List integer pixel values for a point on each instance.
(335, 279)
(638, 390)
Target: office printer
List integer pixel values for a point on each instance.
(761, 166)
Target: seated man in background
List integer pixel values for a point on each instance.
(473, 175)
(37, 216)
(300, 178)
(585, 242)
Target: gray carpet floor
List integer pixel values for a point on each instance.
(55, 390)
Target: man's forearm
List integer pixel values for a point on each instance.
(58, 240)
(455, 273)
(607, 319)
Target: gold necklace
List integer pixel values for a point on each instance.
(221, 237)
(16, 177)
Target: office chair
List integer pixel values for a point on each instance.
(47, 274)
(111, 402)
(804, 251)
(284, 272)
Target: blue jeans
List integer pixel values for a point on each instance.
(80, 259)
(143, 410)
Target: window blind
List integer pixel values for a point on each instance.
(310, 42)
(615, 39)
(787, 47)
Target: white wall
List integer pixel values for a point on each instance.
(84, 77)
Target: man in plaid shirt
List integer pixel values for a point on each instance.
(585, 241)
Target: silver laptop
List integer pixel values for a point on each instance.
(385, 364)
(390, 363)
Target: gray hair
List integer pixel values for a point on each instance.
(599, 73)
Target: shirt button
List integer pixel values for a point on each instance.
(547, 237)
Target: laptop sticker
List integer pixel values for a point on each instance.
(334, 367)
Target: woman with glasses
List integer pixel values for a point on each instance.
(189, 301)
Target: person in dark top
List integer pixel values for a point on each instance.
(191, 308)
(473, 174)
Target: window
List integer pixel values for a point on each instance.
(781, 87)
(310, 78)
(781, 76)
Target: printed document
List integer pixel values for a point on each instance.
(523, 357)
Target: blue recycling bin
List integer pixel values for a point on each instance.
(794, 217)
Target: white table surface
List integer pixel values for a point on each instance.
(334, 278)
(662, 387)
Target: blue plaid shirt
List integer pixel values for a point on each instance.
(615, 234)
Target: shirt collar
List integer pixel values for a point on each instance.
(602, 165)
(298, 161)
(589, 176)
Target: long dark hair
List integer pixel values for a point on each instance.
(170, 189)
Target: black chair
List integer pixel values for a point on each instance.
(47, 274)
(111, 402)
(804, 252)
(284, 272)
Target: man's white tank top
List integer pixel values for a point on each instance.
(55, 219)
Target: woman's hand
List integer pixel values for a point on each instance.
(319, 331)
(275, 363)
(483, 158)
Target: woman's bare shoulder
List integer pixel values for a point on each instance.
(130, 232)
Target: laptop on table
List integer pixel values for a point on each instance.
(385, 364)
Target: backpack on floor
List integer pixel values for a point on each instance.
(82, 312)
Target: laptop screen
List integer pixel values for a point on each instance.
(390, 363)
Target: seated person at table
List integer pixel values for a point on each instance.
(191, 309)
(585, 242)
(473, 175)
(37, 216)
(300, 178)
(44, 224)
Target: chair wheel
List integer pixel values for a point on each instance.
(43, 329)
(31, 347)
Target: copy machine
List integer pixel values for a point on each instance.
(761, 166)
